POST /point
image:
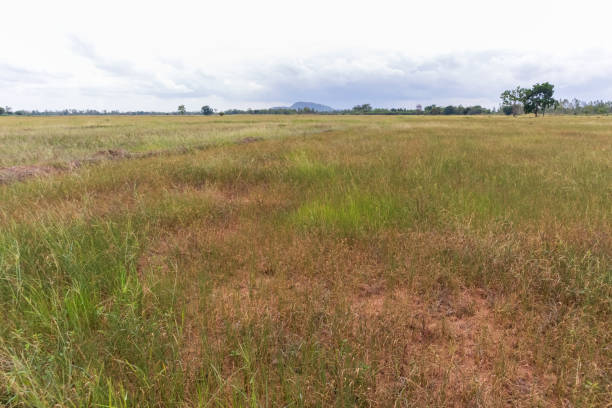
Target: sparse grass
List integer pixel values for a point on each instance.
(339, 261)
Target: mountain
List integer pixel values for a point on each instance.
(317, 107)
(311, 105)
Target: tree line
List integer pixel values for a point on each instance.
(367, 109)
(578, 107)
(537, 100)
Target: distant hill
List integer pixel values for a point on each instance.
(310, 105)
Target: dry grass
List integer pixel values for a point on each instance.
(330, 261)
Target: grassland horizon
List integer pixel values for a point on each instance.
(307, 261)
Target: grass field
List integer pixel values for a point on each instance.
(331, 261)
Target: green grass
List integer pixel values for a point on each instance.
(55, 140)
(339, 261)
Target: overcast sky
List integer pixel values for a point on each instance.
(149, 55)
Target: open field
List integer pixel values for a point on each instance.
(332, 261)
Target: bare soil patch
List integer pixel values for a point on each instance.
(249, 139)
(18, 173)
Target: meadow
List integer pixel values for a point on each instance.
(307, 261)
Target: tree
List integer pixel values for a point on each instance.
(475, 110)
(1, 110)
(206, 110)
(433, 110)
(366, 107)
(449, 110)
(538, 98)
(181, 109)
(513, 98)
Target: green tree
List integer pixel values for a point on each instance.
(514, 99)
(366, 107)
(475, 110)
(433, 110)
(1, 110)
(181, 109)
(206, 110)
(538, 98)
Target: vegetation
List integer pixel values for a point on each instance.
(367, 109)
(578, 107)
(534, 100)
(308, 261)
(512, 104)
(539, 98)
(512, 100)
(56, 141)
(456, 110)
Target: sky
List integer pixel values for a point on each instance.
(149, 55)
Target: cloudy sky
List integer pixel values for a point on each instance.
(150, 55)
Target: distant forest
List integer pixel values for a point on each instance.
(564, 107)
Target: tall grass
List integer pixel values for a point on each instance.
(340, 261)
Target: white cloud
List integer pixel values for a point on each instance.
(154, 55)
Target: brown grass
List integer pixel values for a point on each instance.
(364, 262)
